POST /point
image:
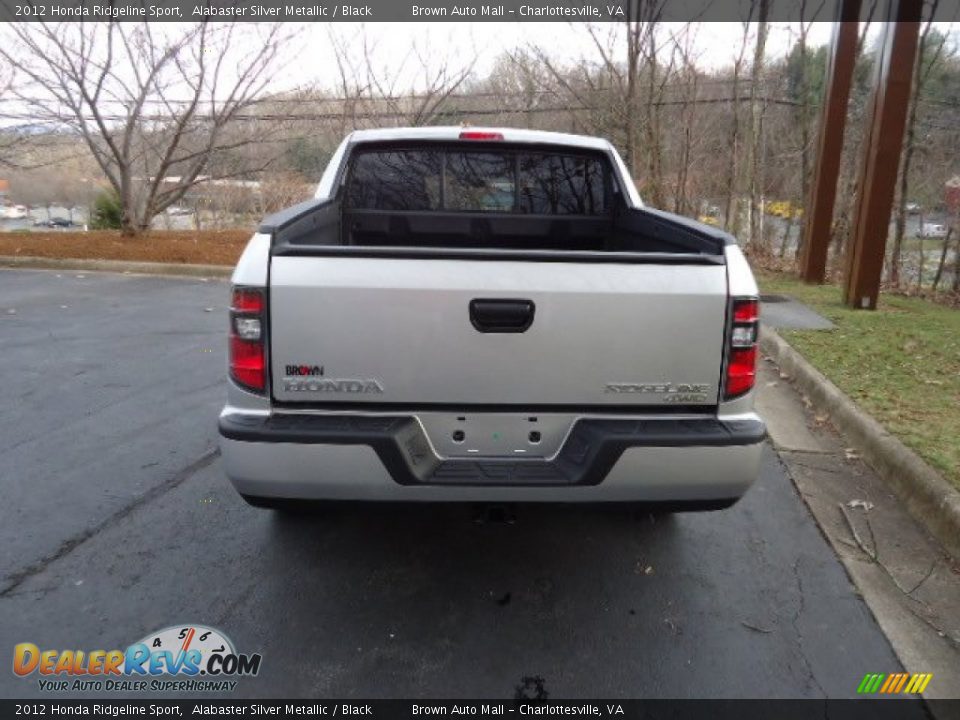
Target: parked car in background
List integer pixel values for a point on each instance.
(932, 230)
(913, 208)
(15, 212)
(489, 315)
(56, 222)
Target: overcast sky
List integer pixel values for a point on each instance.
(716, 42)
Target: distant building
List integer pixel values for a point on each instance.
(951, 195)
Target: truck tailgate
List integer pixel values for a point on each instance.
(420, 332)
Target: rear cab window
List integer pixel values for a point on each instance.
(463, 196)
(523, 182)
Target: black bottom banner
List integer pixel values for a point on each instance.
(867, 709)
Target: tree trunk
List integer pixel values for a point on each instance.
(756, 127)
(786, 236)
(804, 178)
(804, 138)
(680, 196)
(919, 80)
(731, 221)
(129, 226)
(683, 174)
(943, 259)
(956, 267)
(633, 109)
(655, 159)
(920, 267)
(900, 219)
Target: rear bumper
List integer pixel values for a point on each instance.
(357, 457)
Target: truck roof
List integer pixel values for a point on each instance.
(452, 132)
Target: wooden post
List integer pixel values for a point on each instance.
(833, 118)
(881, 152)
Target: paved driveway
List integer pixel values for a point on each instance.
(117, 520)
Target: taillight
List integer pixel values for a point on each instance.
(248, 366)
(480, 135)
(742, 352)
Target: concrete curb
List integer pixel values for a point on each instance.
(119, 266)
(927, 495)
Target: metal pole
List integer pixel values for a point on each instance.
(833, 117)
(881, 152)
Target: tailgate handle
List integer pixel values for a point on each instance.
(501, 316)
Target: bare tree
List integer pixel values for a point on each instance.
(930, 51)
(351, 85)
(956, 267)
(944, 249)
(659, 73)
(595, 90)
(806, 122)
(10, 137)
(757, 107)
(414, 89)
(732, 213)
(622, 82)
(641, 52)
(439, 79)
(689, 81)
(156, 108)
(283, 189)
(519, 88)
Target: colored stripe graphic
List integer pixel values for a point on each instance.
(895, 683)
(918, 683)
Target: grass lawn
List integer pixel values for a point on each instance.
(900, 363)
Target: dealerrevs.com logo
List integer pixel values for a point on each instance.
(178, 658)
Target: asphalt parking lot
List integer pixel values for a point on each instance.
(117, 520)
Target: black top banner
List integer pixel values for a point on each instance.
(431, 10)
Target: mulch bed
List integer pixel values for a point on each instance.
(208, 247)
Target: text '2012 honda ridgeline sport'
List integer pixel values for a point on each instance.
(489, 315)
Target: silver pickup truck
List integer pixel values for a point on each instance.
(489, 315)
